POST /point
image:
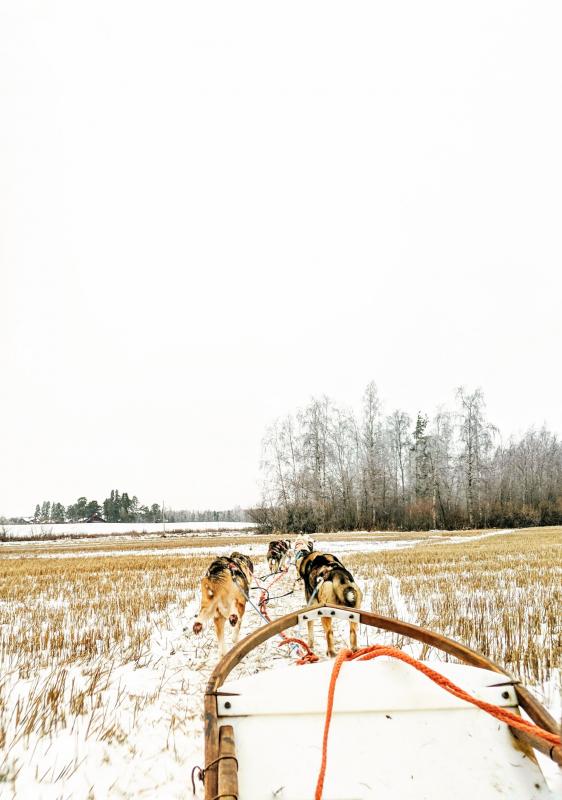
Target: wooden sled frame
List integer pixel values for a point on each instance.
(221, 773)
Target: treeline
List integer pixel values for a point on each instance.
(118, 507)
(326, 468)
(236, 514)
(121, 507)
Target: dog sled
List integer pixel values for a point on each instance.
(365, 726)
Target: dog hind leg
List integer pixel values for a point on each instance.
(240, 608)
(205, 613)
(219, 628)
(311, 633)
(327, 625)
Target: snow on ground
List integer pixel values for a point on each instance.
(142, 730)
(362, 546)
(218, 550)
(222, 550)
(145, 732)
(44, 530)
(460, 539)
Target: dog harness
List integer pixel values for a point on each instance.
(326, 572)
(238, 576)
(235, 569)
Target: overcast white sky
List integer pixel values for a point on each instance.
(212, 211)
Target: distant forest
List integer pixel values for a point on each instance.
(326, 468)
(122, 507)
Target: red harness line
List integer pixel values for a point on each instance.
(367, 653)
(307, 656)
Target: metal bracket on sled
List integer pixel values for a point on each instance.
(326, 611)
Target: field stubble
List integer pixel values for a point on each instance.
(97, 673)
(501, 596)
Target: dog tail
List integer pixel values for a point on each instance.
(350, 596)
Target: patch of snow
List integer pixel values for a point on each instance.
(222, 550)
(467, 539)
(39, 530)
(362, 546)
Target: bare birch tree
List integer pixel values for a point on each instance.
(325, 469)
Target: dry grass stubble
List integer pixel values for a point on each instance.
(67, 623)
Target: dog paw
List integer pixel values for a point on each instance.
(197, 627)
(233, 619)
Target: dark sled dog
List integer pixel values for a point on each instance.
(326, 580)
(277, 554)
(224, 590)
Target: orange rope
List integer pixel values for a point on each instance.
(309, 657)
(280, 574)
(367, 653)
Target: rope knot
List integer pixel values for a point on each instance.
(308, 657)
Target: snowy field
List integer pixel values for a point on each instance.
(212, 550)
(115, 528)
(102, 680)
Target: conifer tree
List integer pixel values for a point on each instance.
(422, 461)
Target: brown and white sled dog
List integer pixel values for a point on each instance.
(224, 590)
(326, 580)
(277, 554)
